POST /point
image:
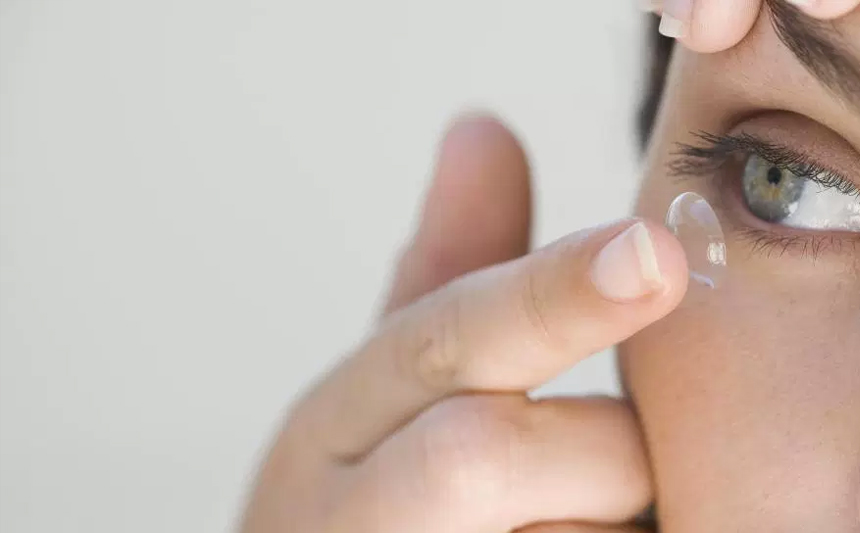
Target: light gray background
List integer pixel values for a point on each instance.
(199, 204)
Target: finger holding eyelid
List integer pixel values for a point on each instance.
(826, 9)
(707, 26)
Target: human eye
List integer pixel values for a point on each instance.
(807, 198)
(796, 203)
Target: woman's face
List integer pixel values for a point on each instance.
(749, 395)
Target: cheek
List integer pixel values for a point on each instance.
(750, 401)
(749, 396)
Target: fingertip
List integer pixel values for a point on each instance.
(478, 147)
(476, 212)
(480, 129)
(718, 25)
(643, 262)
(481, 191)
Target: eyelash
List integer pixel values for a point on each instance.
(717, 151)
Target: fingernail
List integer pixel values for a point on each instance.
(627, 268)
(801, 3)
(677, 15)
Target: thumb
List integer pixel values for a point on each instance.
(477, 211)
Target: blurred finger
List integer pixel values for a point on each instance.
(508, 328)
(496, 463)
(476, 213)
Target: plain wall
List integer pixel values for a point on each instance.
(200, 201)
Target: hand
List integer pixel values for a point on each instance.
(716, 25)
(426, 427)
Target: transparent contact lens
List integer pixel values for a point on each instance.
(693, 221)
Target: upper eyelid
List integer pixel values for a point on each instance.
(697, 160)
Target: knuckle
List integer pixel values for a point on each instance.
(470, 450)
(535, 308)
(434, 354)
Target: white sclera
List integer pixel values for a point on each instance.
(694, 222)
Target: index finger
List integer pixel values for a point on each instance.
(508, 328)
(715, 25)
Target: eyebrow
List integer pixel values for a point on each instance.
(817, 45)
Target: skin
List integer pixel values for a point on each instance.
(426, 426)
(744, 400)
(751, 418)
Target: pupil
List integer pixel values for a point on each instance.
(774, 176)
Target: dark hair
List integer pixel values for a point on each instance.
(659, 51)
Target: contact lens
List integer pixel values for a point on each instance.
(693, 221)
